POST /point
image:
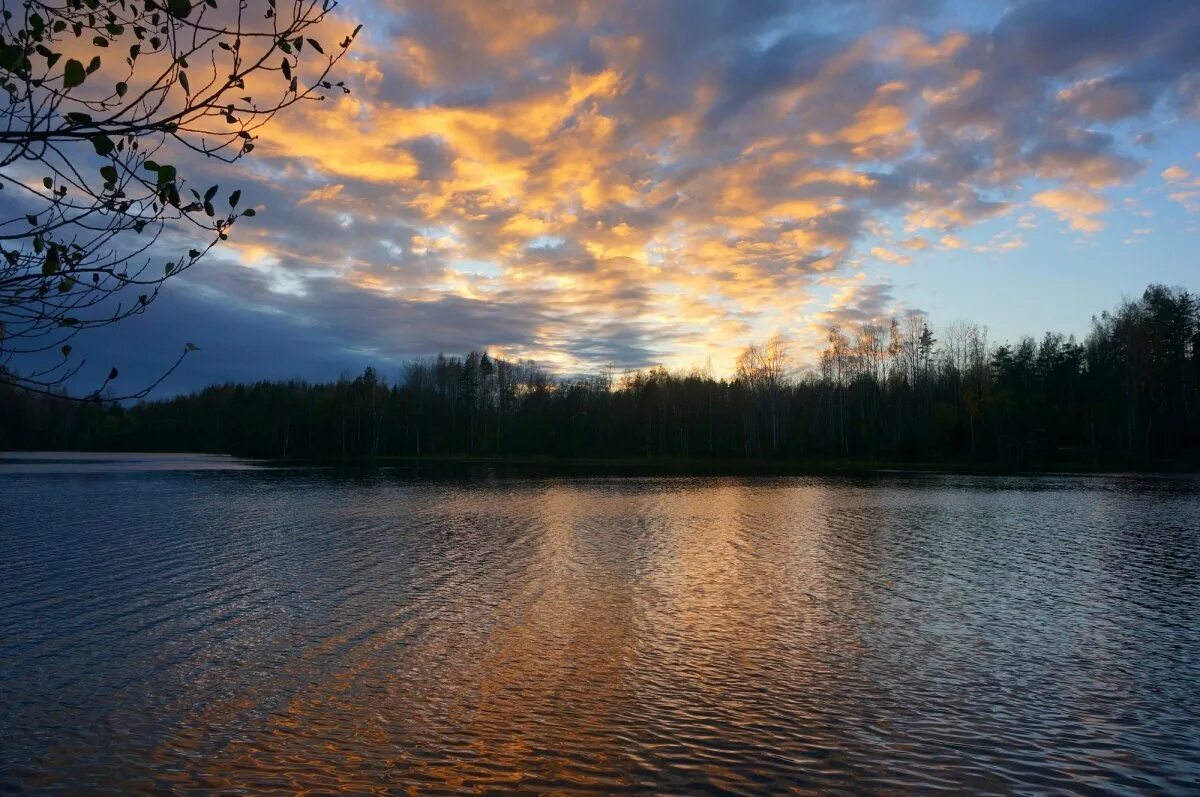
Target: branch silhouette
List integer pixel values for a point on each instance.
(101, 96)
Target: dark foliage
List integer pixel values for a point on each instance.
(1128, 395)
(98, 98)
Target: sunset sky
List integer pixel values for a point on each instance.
(637, 182)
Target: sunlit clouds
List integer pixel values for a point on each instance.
(638, 182)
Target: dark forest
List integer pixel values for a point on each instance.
(1128, 395)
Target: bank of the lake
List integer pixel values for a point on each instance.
(747, 466)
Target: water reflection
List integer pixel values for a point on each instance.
(214, 631)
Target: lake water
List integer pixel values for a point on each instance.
(179, 624)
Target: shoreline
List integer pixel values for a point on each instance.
(654, 466)
(549, 466)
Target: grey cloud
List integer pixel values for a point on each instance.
(248, 333)
(796, 58)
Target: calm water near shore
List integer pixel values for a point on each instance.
(201, 625)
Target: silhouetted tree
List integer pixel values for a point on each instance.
(1126, 396)
(100, 97)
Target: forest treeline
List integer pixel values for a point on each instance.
(1128, 394)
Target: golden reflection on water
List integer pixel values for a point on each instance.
(627, 635)
(604, 623)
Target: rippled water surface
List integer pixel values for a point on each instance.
(246, 630)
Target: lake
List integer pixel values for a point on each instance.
(200, 625)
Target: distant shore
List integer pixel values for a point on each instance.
(668, 466)
(651, 466)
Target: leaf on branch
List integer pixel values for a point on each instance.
(179, 8)
(121, 89)
(51, 264)
(234, 197)
(12, 56)
(183, 81)
(103, 144)
(287, 69)
(99, 41)
(249, 212)
(48, 182)
(79, 118)
(73, 74)
(66, 350)
(112, 374)
(109, 173)
(316, 45)
(210, 193)
(68, 321)
(93, 65)
(190, 347)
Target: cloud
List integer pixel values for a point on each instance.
(857, 303)
(322, 194)
(917, 243)
(586, 182)
(1077, 207)
(1190, 200)
(1175, 174)
(888, 256)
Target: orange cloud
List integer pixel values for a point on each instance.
(888, 256)
(1075, 206)
(624, 174)
(1175, 174)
